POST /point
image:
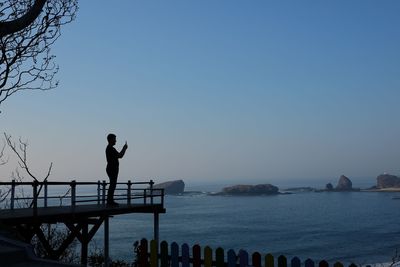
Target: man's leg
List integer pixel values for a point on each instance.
(113, 175)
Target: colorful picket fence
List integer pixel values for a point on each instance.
(152, 255)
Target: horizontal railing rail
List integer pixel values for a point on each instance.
(46, 194)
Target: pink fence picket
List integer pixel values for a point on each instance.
(196, 256)
(256, 259)
(323, 263)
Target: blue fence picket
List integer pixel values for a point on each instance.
(231, 258)
(295, 262)
(185, 255)
(243, 258)
(174, 255)
(309, 263)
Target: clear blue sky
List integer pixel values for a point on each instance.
(217, 90)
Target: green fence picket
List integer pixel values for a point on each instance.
(174, 255)
(282, 261)
(207, 256)
(164, 254)
(219, 257)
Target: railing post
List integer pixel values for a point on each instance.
(145, 196)
(129, 192)
(156, 226)
(98, 192)
(45, 193)
(151, 191)
(35, 197)
(104, 192)
(12, 194)
(73, 193)
(162, 197)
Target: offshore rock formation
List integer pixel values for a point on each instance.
(387, 181)
(329, 187)
(344, 184)
(175, 187)
(250, 190)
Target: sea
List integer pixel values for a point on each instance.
(350, 227)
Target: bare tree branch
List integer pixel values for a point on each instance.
(9, 27)
(26, 61)
(21, 153)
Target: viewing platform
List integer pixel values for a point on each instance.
(27, 206)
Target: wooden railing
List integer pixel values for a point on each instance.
(175, 256)
(46, 194)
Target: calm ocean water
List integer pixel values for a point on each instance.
(354, 227)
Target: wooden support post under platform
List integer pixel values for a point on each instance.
(106, 242)
(84, 244)
(156, 226)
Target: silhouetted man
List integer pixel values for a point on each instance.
(112, 169)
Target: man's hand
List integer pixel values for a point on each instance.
(126, 145)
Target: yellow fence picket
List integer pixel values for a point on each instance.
(207, 256)
(153, 253)
(269, 260)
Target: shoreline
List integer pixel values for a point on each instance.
(388, 189)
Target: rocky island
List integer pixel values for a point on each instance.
(386, 183)
(249, 190)
(344, 185)
(175, 187)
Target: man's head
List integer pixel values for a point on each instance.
(112, 139)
